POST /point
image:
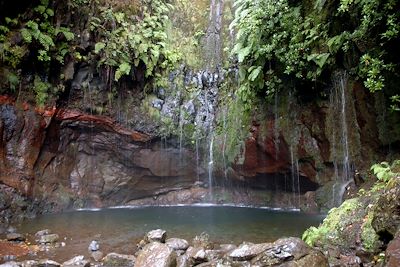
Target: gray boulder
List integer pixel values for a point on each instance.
(156, 254)
(115, 259)
(10, 264)
(248, 251)
(177, 243)
(78, 261)
(158, 235)
(47, 239)
(290, 250)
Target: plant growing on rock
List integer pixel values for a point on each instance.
(384, 171)
(128, 40)
(281, 42)
(39, 37)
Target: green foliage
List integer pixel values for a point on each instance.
(127, 41)
(12, 55)
(384, 171)
(123, 69)
(13, 80)
(273, 41)
(281, 40)
(41, 37)
(334, 228)
(42, 90)
(312, 234)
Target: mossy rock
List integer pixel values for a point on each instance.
(386, 221)
(348, 226)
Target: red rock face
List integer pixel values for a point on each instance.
(22, 134)
(306, 133)
(101, 122)
(262, 154)
(67, 158)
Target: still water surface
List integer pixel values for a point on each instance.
(120, 229)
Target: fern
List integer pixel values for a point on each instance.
(41, 89)
(123, 69)
(98, 47)
(26, 35)
(69, 36)
(128, 43)
(382, 171)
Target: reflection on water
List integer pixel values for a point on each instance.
(119, 230)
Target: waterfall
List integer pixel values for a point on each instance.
(197, 160)
(298, 182)
(224, 146)
(293, 172)
(295, 175)
(212, 41)
(276, 126)
(210, 166)
(340, 137)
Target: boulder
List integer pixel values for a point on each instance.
(292, 250)
(10, 264)
(46, 239)
(227, 247)
(47, 263)
(115, 259)
(156, 254)
(197, 254)
(393, 252)
(183, 261)
(248, 251)
(42, 232)
(177, 243)
(78, 261)
(158, 235)
(386, 220)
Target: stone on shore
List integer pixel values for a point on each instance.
(115, 259)
(156, 254)
(177, 243)
(78, 261)
(158, 235)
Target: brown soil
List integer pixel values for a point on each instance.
(11, 248)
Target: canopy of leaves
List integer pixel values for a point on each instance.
(286, 40)
(125, 41)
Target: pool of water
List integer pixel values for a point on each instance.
(120, 229)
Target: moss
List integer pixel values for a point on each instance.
(337, 227)
(232, 130)
(369, 238)
(364, 221)
(149, 109)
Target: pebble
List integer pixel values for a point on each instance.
(94, 246)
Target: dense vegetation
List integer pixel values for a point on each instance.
(303, 42)
(366, 222)
(123, 37)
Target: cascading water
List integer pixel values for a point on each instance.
(340, 139)
(224, 145)
(211, 167)
(212, 41)
(276, 132)
(294, 172)
(197, 160)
